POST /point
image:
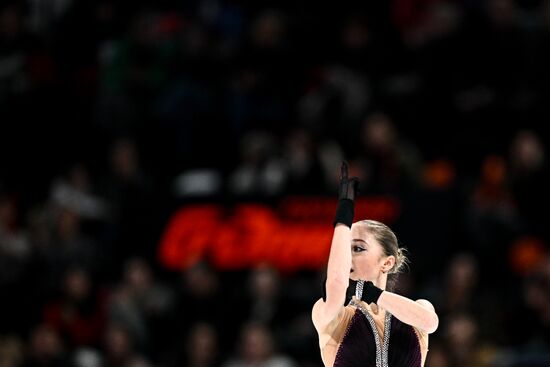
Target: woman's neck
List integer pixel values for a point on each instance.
(381, 281)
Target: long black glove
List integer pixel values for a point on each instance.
(347, 191)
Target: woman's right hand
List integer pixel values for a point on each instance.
(348, 187)
(347, 191)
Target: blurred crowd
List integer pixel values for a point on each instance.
(115, 113)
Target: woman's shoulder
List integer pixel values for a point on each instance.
(425, 303)
(422, 334)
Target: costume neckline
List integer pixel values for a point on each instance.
(382, 346)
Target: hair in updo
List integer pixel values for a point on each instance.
(387, 239)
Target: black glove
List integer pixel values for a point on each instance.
(347, 190)
(370, 293)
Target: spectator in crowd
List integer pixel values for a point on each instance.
(141, 304)
(128, 189)
(200, 290)
(46, 348)
(527, 178)
(265, 295)
(388, 162)
(11, 351)
(260, 171)
(536, 290)
(460, 290)
(464, 343)
(200, 348)
(256, 347)
(492, 217)
(75, 193)
(304, 168)
(16, 261)
(119, 348)
(67, 245)
(15, 248)
(79, 314)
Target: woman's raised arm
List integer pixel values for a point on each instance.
(339, 262)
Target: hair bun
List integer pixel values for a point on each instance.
(400, 260)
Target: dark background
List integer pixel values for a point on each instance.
(114, 114)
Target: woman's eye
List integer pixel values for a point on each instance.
(358, 249)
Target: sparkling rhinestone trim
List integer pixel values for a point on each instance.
(381, 347)
(359, 289)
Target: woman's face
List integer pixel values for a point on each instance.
(367, 257)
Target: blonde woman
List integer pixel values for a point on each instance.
(359, 321)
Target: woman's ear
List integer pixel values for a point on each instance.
(388, 264)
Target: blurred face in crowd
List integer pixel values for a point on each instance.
(268, 29)
(461, 331)
(201, 281)
(437, 357)
(264, 282)
(527, 151)
(537, 289)
(79, 177)
(378, 133)
(502, 12)
(10, 22)
(138, 274)
(77, 284)
(462, 273)
(45, 343)
(202, 344)
(124, 159)
(68, 224)
(118, 344)
(368, 261)
(257, 344)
